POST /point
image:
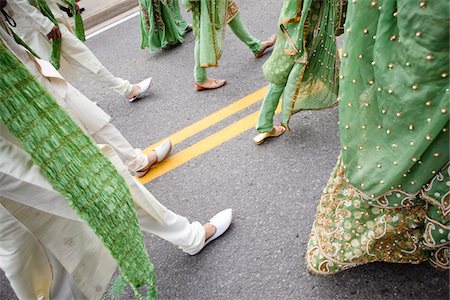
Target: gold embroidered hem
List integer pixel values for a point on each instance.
(348, 231)
(232, 10)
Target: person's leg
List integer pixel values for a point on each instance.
(268, 107)
(133, 158)
(241, 31)
(71, 46)
(23, 259)
(200, 75)
(155, 218)
(117, 84)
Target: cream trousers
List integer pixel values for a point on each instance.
(44, 246)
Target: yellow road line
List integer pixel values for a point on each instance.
(211, 141)
(213, 118)
(203, 146)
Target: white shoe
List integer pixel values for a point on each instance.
(162, 151)
(222, 222)
(144, 87)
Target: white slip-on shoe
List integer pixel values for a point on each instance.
(222, 222)
(144, 87)
(162, 152)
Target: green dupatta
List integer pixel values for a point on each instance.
(305, 58)
(55, 52)
(161, 24)
(395, 68)
(209, 20)
(78, 26)
(76, 168)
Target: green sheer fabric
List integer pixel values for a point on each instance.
(55, 51)
(209, 20)
(161, 24)
(388, 198)
(305, 58)
(76, 168)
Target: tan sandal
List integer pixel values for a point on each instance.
(267, 44)
(276, 131)
(218, 83)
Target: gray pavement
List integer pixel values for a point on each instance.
(273, 188)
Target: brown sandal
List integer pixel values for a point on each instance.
(218, 83)
(268, 44)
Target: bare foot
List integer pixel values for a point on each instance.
(210, 229)
(135, 91)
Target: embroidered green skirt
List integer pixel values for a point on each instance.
(388, 198)
(161, 24)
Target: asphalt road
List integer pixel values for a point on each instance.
(273, 188)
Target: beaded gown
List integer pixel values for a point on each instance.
(388, 197)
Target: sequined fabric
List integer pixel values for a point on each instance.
(388, 197)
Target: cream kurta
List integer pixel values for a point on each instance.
(33, 28)
(62, 250)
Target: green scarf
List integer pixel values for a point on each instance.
(395, 67)
(78, 21)
(305, 59)
(209, 20)
(76, 168)
(55, 52)
(161, 24)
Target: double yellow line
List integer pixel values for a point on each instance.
(209, 142)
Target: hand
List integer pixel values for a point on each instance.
(76, 7)
(54, 34)
(3, 3)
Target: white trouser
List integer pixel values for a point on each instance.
(133, 158)
(41, 229)
(73, 50)
(33, 271)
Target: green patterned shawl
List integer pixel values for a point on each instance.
(305, 59)
(394, 94)
(76, 168)
(209, 21)
(161, 24)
